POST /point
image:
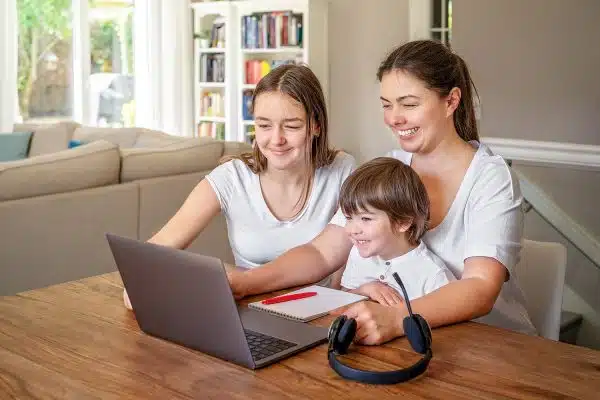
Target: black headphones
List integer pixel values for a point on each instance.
(416, 329)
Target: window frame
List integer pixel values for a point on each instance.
(421, 24)
(444, 29)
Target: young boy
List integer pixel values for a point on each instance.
(387, 209)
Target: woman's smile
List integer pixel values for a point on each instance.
(407, 132)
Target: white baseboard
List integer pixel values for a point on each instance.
(578, 155)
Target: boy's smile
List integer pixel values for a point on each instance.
(371, 232)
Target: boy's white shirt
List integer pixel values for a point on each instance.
(420, 270)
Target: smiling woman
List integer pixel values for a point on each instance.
(284, 192)
(292, 177)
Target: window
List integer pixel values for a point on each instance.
(441, 21)
(75, 61)
(111, 57)
(45, 79)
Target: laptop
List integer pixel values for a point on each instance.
(185, 298)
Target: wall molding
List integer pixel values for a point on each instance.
(577, 155)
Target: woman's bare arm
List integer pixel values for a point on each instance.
(470, 297)
(301, 265)
(200, 207)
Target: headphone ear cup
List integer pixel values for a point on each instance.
(426, 331)
(418, 333)
(345, 336)
(334, 329)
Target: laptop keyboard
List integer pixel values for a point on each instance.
(262, 346)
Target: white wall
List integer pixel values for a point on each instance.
(535, 64)
(360, 35)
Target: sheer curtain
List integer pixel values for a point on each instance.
(8, 64)
(163, 66)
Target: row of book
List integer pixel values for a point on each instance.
(216, 130)
(212, 68)
(257, 69)
(246, 105)
(250, 134)
(272, 30)
(212, 104)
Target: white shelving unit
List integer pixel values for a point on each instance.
(312, 50)
(213, 112)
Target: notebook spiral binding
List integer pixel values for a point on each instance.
(273, 312)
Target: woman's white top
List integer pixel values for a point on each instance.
(256, 236)
(420, 271)
(484, 220)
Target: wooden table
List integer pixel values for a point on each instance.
(76, 340)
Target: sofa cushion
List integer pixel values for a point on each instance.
(155, 139)
(48, 139)
(87, 166)
(182, 157)
(122, 137)
(14, 146)
(125, 137)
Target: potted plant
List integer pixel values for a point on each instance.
(203, 39)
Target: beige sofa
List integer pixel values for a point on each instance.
(56, 206)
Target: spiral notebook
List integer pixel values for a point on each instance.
(310, 308)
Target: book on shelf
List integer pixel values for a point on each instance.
(246, 105)
(272, 30)
(217, 33)
(216, 130)
(212, 68)
(250, 134)
(212, 104)
(215, 37)
(257, 69)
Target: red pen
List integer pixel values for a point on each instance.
(288, 297)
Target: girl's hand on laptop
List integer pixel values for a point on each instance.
(380, 292)
(126, 300)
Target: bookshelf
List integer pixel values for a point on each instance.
(212, 67)
(246, 39)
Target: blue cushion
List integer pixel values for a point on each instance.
(14, 145)
(74, 143)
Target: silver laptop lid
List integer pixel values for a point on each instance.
(190, 304)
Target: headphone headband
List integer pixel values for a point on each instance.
(406, 299)
(380, 378)
(416, 329)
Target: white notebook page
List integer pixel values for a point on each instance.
(309, 308)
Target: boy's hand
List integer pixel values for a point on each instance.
(380, 292)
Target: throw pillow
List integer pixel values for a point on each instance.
(14, 145)
(74, 143)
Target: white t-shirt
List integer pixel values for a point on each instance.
(420, 270)
(484, 220)
(256, 236)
